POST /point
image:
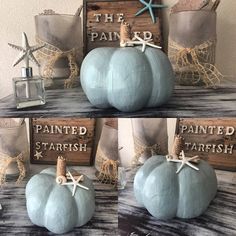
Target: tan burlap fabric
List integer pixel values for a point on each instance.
(6, 160)
(195, 64)
(51, 54)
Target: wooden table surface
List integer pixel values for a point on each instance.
(186, 102)
(14, 219)
(218, 220)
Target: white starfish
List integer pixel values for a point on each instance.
(26, 51)
(184, 161)
(143, 42)
(75, 183)
(38, 155)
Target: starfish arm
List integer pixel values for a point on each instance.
(138, 38)
(19, 59)
(192, 158)
(137, 43)
(153, 45)
(68, 183)
(16, 47)
(180, 168)
(143, 2)
(79, 179)
(71, 176)
(144, 47)
(33, 59)
(82, 186)
(152, 15)
(74, 189)
(36, 48)
(25, 41)
(177, 161)
(141, 11)
(159, 6)
(192, 166)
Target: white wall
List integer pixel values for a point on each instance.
(17, 16)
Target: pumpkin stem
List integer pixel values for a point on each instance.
(61, 170)
(125, 34)
(178, 146)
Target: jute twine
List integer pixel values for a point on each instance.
(140, 148)
(51, 54)
(195, 64)
(61, 170)
(108, 168)
(6, 160)
(125, 34)
(177, 147)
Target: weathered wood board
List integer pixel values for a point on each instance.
(187, 101)
(71, 138)
(218, 219)
(14, 219)
(102, 22)
(212, 139)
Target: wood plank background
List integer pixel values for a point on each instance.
(73, 158)
(129, 8)
(186, 102)
(219, 219)
(223, 161)
(14, 219)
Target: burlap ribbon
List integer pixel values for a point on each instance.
(140, 148)
(51, 54)
(196, 60)
(108, 168)
(6, 160)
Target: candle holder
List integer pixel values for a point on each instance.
(14, 150)
(62, 55)
(192, 46)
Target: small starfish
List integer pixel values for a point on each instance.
(26, 51)
(38, 155)
(144, 43)
(184, 161)
(75, 183)
(149, 6)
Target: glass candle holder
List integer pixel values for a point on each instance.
(13, 143)
(192, 45)
(60, 33)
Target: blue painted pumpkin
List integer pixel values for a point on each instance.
(127, 78)
(166, 194)
(52, 206)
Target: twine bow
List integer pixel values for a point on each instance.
(108, 168)
(197, 60)
(6, 160)
(141, 148)
(52, 54)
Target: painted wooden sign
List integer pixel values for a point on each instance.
(212, 139)
(70, 138)
(102, 19)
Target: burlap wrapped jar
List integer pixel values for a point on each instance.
(150, 138)
(14, 150)
(192, 47)
(62, 54)
(106, 161)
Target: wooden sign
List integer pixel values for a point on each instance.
(212, 139)
(70, 138)
(102, 19)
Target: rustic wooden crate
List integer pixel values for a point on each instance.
(129, 8)
(225, 160)
(83, 157)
